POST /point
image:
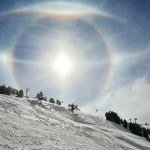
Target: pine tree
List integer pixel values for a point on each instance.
(72, 107)
(45, 98)
(121, 121)
(13, 91)
(40, 96)
(52, 100)
(125, 124)
(20, 93)
(58, 102)
(8, 90)
(3, 89)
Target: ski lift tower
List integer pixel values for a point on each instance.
(135, 120)
(27, 90)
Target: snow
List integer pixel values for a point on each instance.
(146, 126)
(26, 126)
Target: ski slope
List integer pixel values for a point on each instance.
(26, 126)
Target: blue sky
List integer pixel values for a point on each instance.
(106, 43)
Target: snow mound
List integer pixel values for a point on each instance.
(26, 126)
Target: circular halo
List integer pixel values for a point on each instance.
(54, 15)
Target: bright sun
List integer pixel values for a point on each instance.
(62, 65)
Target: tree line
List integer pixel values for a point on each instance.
(11, 91)
(40, 96)
(135, 128)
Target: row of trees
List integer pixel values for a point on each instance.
(133, 127)
(19, 93)
(58, 102)
(41, 97)
(11, 91)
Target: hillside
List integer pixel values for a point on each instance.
(26, 126)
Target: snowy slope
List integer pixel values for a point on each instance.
(26, 126)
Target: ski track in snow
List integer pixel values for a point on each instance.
(26, 126)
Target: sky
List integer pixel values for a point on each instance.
(92, 53)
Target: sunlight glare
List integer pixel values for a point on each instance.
(62, 65)
(3, 57)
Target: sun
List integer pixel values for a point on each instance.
(62, 65)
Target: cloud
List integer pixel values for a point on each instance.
(129, 101)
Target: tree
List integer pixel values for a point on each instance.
(121, 121)
(112, 116)
(20, 93)
(58, 102)
(8, 91)
(45, 98)
(40, 96)
(13, 91)
(76, 107)
(51, 100)
(135, 128)
(125, 124)
(17, 92)
(3, 89)
(72, 107)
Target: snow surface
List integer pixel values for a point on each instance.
(146, 126)
(26, 126)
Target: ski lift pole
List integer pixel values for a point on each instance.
(27, 93)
